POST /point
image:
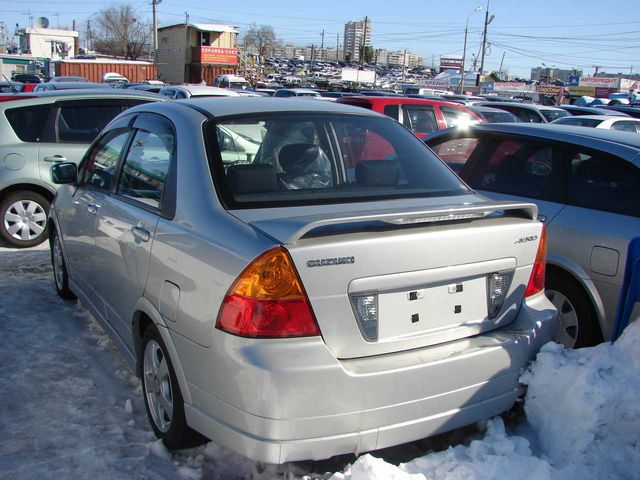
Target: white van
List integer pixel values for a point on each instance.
(231, 81)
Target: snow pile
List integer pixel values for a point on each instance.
(584, 407)
(583, 421)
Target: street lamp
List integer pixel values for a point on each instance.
(464, 49)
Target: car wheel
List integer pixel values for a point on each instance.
(162, 396)
(577, 323)
(60, 275)
(24, 219)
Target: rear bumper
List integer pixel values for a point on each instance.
(292, 400)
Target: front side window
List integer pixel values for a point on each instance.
(455, 117)
(99, 167)
(324, 158)
(83, 124)
(145, 168)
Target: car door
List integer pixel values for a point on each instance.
(601, 217)
(126, 221)
(96, 178)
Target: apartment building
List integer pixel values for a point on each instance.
(357, 34)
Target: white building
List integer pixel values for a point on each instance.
(50, 43)
(357, 34)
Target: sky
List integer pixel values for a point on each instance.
(565, 34)
(71, 408)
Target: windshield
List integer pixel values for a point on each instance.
(579, 121)
(293, 159)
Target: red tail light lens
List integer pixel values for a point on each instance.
(536, 281)
(267, 300)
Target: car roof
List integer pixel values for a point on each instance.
(50, 96)
(196, 90)
(518, 105)
(483, 108)
(596, 110)
(222, 107)
(396, 100)
(593, 137)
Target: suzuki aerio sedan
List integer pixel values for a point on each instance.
(339, 291)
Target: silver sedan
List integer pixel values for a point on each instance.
(336, 289)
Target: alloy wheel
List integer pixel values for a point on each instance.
(157, 385)
(567, 318)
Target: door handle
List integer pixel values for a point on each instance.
(141, 233)
(92, 209)
(55, 159)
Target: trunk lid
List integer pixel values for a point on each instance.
(391, 279)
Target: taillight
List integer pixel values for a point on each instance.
(267, 300)
(536, 281)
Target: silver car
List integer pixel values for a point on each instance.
(586, 183)
(38, 129)
(342, 257)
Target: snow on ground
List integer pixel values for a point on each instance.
(71, 408)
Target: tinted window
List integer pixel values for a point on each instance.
(101, 162)
(579, 121)
(420, 118)
(456, 152)
(625, 126)
(28, 122)
(316, 158)
(146, 166)
(604, 183)
(83, 124)
(498, 117)
(518, 167)
(392, 111)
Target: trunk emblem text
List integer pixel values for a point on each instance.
(330, 261)
(532, 238)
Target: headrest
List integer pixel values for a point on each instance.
(377, 173)
(252, 178)
(295, 158)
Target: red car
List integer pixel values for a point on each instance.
(420, 115)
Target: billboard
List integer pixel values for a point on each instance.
(356, 75)
(221, 56)
(549, 90)
(512, 87)
(605, 82)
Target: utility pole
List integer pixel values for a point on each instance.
(245, 57)
(364, 42)
(404, 64)
(597, 67)
(501, 62)
(88, 41)
(154, 6)
(487, 21)
(337, 47)
(322, 46)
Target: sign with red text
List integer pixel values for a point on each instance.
(218, 55)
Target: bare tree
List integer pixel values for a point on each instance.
(120, 33)
(262, 38)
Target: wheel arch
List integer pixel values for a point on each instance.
(145, 314)
(31, 187)
(572, 271)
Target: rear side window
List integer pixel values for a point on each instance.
(604, 183)
(515, 167)
(83, 123)
(456, 152)
(28, 122)
(625, 126)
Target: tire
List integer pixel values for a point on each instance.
(23, 219)
(162, 396)
(60, 274)
(577, 323)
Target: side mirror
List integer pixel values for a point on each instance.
(64, 173)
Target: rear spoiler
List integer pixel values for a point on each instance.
(288, 230)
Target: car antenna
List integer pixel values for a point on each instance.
(13, 89)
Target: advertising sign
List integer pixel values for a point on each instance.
(548, 90)
(444, 83)
(222, 56)
(511, 87)
(582, 91)
(574, 80)
(605, 82)
(356, 75)
(602, 92)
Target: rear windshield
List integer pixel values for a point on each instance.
(498, 117)
(552, 115)
(580, 122)
(292, 160)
